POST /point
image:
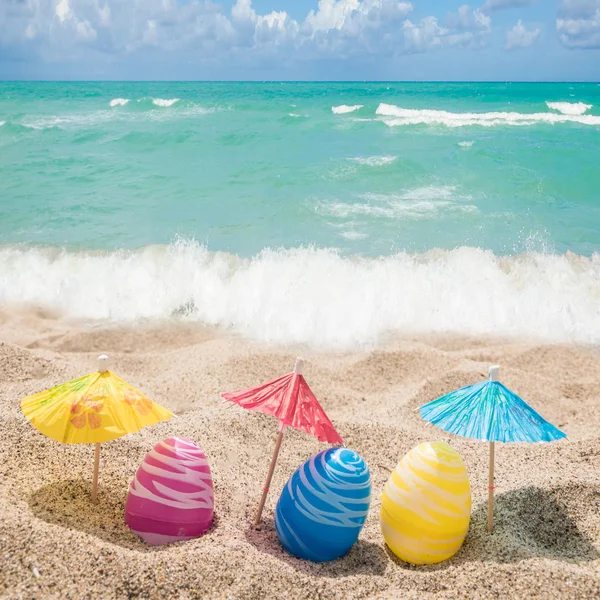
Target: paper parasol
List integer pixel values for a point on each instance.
(96, 408)
(290, 400)
(489, 411)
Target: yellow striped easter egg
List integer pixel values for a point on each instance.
(426, 505)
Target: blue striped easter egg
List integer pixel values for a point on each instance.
(324, 505)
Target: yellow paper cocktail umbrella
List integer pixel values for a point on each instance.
(96, 408)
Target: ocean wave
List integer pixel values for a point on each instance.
(394, 116)
(118, 101)
(466, 144)
(413, 204)
(44, 123)
(316, 296)
(344, 109)
(374, 161)
(353, 235)
(569, 108)
(164, 103)
(142, 112)
(402, 210)
(2, 123)
(73, 120)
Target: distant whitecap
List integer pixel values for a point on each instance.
(396, 116)
(353, 235)
(164, 103)
(344, 108)
(374, 161)
(569, 108)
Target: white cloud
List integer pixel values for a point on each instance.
(490, 5)
(521, 37)
(424, 36)
(466, 28)
(85, 32)
(353, 14)
(63, 10)
(578, 24)
(466, 19)
(204, 30)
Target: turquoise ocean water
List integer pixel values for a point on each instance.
(326, 213)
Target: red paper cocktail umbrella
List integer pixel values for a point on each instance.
(290, 400)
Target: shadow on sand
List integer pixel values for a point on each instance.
(68, 504)
(363, 558)
(530, 522)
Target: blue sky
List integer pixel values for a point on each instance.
(300, 39)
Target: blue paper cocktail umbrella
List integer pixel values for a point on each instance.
(489, 411)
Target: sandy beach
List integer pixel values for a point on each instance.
(55, 543)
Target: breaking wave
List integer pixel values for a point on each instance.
(569, 108)
(119, 101)
(344, 109)
(164, 103)
(316, 296)
(394, 116)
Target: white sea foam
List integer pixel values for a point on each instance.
(2, 123)
(395, 116)
(85, 120)
(119, 101)
(569, 108)
(317, 296)
(353, 235)
(412, 204)
(344, 109)
(466, 144)
(402, 210)
(164, 103)
(374, 161)
(74, 120)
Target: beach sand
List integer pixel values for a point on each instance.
(55, 543)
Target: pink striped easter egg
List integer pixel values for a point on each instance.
(171, 497)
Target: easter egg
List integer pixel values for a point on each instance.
(426, 505)
(171, 497)
(324, 505)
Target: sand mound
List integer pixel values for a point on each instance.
(392, 369)
(576, 365)
(139, 339)
(18, 364)
(250, 370)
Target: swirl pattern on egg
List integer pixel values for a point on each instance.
(324, 505)
(426, 505)
(171, 497)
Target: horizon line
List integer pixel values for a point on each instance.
(295, 81)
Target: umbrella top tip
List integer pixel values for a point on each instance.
(494, 373)
(102, 363)
(298, 366)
